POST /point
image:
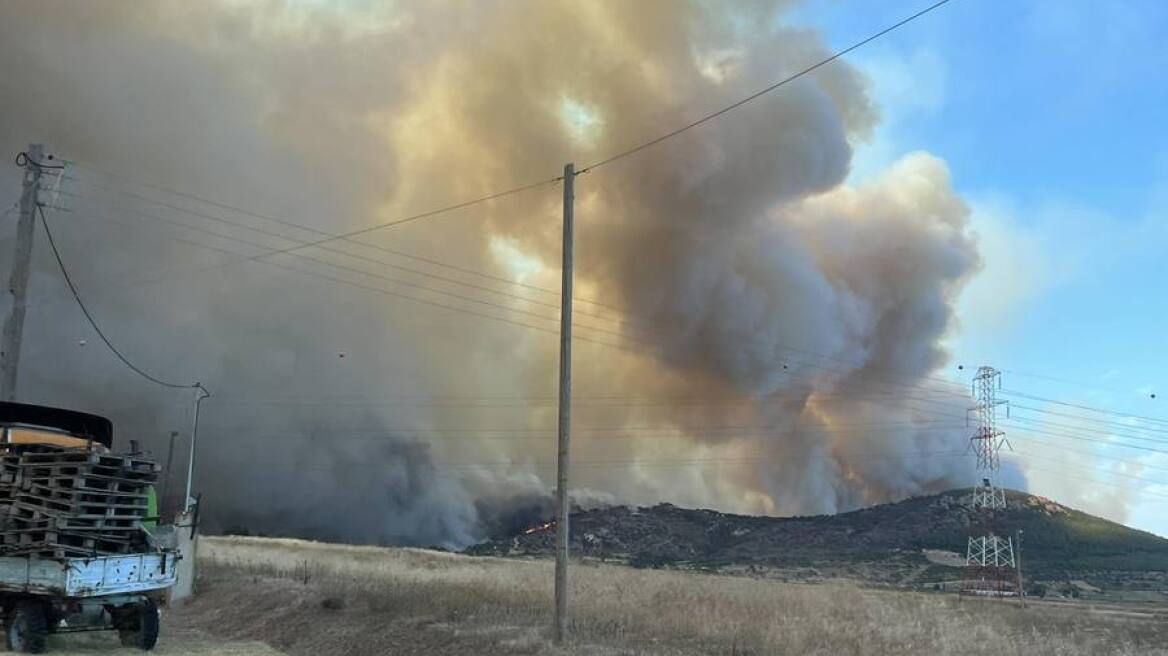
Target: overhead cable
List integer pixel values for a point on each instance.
(93, 323)
(758, 94)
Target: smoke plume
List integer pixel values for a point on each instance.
(754, 333)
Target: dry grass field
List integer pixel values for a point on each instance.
(311, 598)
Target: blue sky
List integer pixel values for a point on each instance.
(1051, 116)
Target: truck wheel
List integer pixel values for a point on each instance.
(27, 627)
(142, 629)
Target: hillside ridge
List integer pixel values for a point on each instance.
(885, 543)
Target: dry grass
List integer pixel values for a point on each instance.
(310, 598)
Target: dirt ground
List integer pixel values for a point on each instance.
(176, 640)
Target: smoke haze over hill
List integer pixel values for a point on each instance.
(757, 334)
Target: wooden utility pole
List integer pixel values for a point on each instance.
(18, 280)
(563, 504)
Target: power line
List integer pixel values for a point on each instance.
(459, 297)
(1064, 473)
(1122, 430)
(379, 247)
(363, 272)
(546, 438)
(1036, 431)
(347, 236)
(190, 196)
(708, 117)
(618, 431)
(1109, 473)
(822, 397)
(414, 217)
(380, 290)
(606, 464)
(875, 375)
(1127, 461)
(535, 402)
(1031, 429)
(1077, 431)
(643, 335)
(602, 401)
(1067, 381)
(1080, 406)
(637, 462)
(266, 247)
(484, 315)
(646, 326)
(337, 251)
(625, 153)
(615, 428)
(398, 281)
(407, 219)
(383, 291)
(1081, 438)
(89, 317)
(688, 462)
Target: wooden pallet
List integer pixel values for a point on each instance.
(73, 470)
(47, 551)
(86, 495)
(49, 537)
(88, 509)
(88, 481)
(57, 551)
(83, 456)
(57, 502)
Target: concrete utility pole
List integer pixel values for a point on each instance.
(200, 394)
(163, 499)
(563, 505)
(18, 280)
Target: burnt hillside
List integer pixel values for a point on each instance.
(881, 543)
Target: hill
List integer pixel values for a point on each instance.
(918, 541)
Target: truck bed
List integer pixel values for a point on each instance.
(88, 577)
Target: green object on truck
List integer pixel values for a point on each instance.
(151, 519)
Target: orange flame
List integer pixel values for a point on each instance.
(538, 527)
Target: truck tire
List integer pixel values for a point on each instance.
(142, 629)
(27, 627)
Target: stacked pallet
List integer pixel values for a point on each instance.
(62, 502)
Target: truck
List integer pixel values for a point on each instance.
(81, 548)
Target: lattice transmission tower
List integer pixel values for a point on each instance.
(989, 557)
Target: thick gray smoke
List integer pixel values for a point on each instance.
(754, 334)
